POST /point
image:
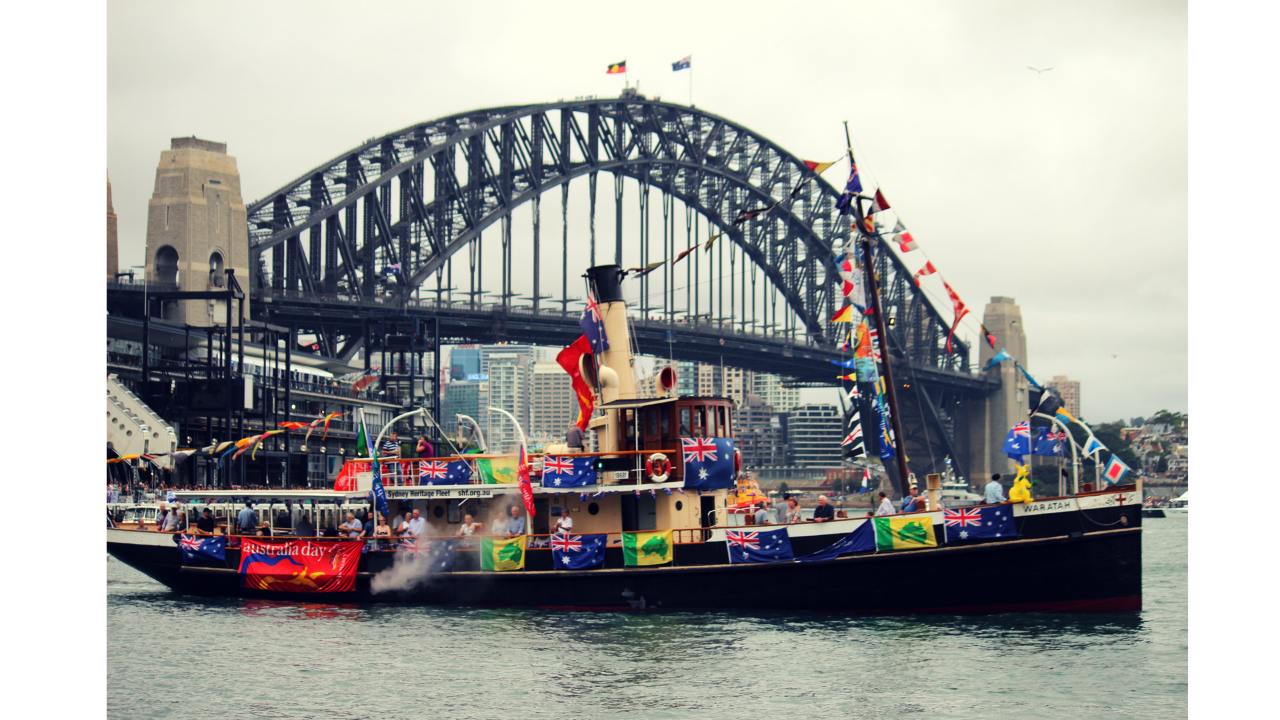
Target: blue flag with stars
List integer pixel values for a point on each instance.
(567, 471)
(862, 538)
(592, 324)
(202, 548)
(577, 552)
(758, 545)
(1046, 443)
(977, 523)
(708, 463)
(379, 492)
(440, 472)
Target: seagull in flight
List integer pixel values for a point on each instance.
(1039, 70)
(1113, 357)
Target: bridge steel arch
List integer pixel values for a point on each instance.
(418, 196)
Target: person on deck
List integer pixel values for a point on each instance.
(573, 438)
(396, 522)
(911, 502)
(416, 525)
(424, 448)
(994, 492)
(515, 526)
(181, 525)
(781, 512)
(390, 448)
(564, 525)
(793, 513)
(761, 514)
(886, 505)
(825, 510)
(171, 520)
(247, 520)
(304, 527)
(205, 525)
(352, 527)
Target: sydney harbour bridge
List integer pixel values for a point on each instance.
(481, 224)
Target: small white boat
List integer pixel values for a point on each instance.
(1179, 507)
(957, 494)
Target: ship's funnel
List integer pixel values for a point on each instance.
(606, 283)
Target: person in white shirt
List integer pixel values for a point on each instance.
(886, 506)
(994, 492)
(417, 524)
(565, 523)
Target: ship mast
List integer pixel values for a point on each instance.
(873, 288)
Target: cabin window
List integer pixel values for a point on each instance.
(651, 422)
(664, 418)
(685, 422)
(700, 421)
(593, 509)
(723, 426)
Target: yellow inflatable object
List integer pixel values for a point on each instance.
(1021, 491)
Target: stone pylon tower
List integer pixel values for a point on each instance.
(989, 422)
(113, 237)
(197, 228)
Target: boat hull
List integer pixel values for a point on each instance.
(1093, 572)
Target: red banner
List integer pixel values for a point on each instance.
(346, 480)
(299, 565)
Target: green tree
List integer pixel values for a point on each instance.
(1163, 464)
(1164, 417)
(1044, 481)
(783, 488)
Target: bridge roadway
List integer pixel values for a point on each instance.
(463, 322)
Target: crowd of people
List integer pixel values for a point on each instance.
(788, 511)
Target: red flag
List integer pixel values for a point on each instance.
(526, 490)
(906, 242)
(568, 359)
(991, 339)
(958, 306)
(878, 204)
(292, 425)
(928, 269)
(682, 254)
(817, 166)
(364, 382)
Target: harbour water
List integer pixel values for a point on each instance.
(175, 656)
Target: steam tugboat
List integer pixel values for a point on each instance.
(655, 510)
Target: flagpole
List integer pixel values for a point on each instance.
(873, 288)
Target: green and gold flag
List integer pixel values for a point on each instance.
(647, 548)
(499, 470)
(904, 533)
(503, 553)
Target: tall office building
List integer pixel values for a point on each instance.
(197, 228)
(759, 434)
(508, 388)
(552, 402)
(813, 436)
(464, 363)
(769, 388)
(707, 380)
(1068, 390)
(113, 237)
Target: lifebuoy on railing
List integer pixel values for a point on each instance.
(658, 467)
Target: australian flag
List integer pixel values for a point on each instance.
(1018, 443)
(1046, 443)
(851, 188)
(758, 545)
(592, 325)
(440, 554)
(439, 472)
(567, 471)
(976, 523)
(862, 538)
(202, 548)
(708, 463)
(577, 552)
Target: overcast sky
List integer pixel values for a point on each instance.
(1064, 189)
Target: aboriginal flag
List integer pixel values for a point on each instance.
(617, 68)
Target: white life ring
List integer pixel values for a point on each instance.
(658, 467)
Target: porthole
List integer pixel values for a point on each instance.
(438, 512)
(593, 509)
(679, 505)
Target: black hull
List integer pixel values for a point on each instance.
(1093, 572)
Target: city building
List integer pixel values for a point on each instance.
(813, 435)
(552, 402)
(464, 363)
(769, 388)
(1068, 390)
(509, 386)
(196, 229)
(113, 237)
(759, 434)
